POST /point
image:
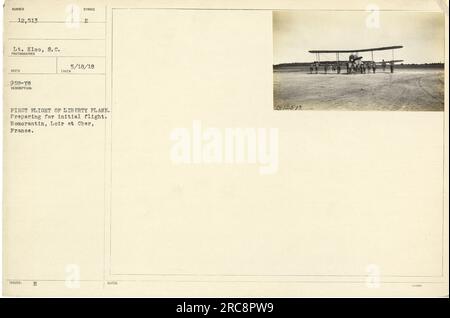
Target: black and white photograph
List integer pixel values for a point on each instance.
(358, 60)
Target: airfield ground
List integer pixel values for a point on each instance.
(406, 89)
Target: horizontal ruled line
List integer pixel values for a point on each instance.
(55, 39)
(56, 56)
(68, 22)
(56, 73)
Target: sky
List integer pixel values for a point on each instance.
(296, 32)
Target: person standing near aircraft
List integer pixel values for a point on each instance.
(351, 63)
(383, 65)
(374, 67)
(339, 68)
(392, 67)
(311, 68)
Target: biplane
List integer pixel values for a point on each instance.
(355, 63)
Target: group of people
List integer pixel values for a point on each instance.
(361, 67)
(352, 67)
(314, 67)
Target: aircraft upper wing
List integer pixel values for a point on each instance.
(358, 50)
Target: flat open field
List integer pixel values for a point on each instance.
(406, 89)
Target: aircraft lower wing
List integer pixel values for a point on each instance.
(391, 61)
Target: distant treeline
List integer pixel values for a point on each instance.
(412, 65)
(425, 65)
